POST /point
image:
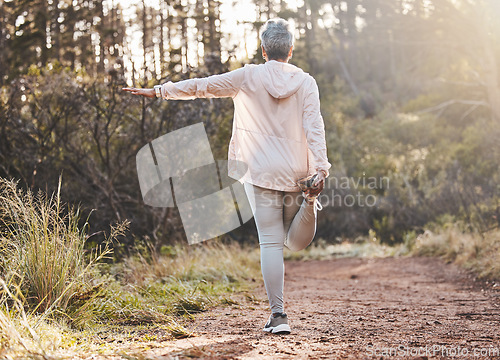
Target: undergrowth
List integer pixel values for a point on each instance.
(363, 247)
(477, 252)
(58, 298)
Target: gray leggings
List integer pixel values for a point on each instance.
(282, 219)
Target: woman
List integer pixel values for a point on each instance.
(278, 131)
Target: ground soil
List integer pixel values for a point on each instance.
(354, 308)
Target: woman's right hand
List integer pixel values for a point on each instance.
(318, 184)
(319, 181)
(143, 92)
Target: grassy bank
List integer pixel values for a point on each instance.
(139, 300)
(60, 298)
(479, 253)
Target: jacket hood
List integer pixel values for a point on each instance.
(281, 80)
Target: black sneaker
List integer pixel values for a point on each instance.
(277, 324)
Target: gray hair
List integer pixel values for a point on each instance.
(276, 38)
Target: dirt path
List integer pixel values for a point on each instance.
(354, 309)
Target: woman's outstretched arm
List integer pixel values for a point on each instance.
(223, 85)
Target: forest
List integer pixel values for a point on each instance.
(410, 96)
(409, 90)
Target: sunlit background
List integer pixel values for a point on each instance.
(235, 22)
(236, 19)
(410, 92)
(410, 97)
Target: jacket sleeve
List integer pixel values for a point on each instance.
(314, 128)
(215, 86)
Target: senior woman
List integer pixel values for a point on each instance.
(278, 131)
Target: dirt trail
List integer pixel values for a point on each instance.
(355, 309)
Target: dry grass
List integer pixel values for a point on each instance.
(55, 299)
(24, 335)
(363, 247)
(210, 261)
(147, 295)
(47, 277)
(476, 252)
(43, 256)
(187, 280)
(479, 253)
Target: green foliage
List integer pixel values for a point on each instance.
(434, 166)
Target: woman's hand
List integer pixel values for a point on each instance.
(318, 184)
(320, 180)
(144, 92)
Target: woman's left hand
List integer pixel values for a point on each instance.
(143, 92)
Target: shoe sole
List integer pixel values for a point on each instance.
(280, 329)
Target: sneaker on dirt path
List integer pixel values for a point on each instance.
(277, 324)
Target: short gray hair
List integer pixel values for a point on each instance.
(276, 38)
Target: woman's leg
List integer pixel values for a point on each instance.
(267, 207)
(299, 221)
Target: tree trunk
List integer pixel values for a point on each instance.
(101, 27)
(491, 78)
(3, 53)
(145, 39)
(162, 40)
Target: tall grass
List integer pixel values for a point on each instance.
(17, 335)
(42, 252)
(52, 292)
(477, 252)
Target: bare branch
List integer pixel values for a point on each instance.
(468, 112)
(461, 83)
(445, 104)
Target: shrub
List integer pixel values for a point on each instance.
(42, 252)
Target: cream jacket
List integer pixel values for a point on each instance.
(278, 130)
